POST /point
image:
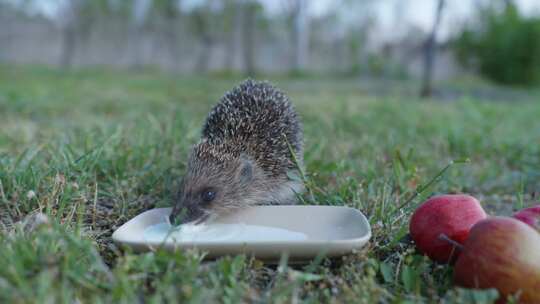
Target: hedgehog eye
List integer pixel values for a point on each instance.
(208, 195)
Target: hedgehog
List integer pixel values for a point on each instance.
(250, 153)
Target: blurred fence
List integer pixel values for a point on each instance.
(224, 36)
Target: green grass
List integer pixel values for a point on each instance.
(91, 149)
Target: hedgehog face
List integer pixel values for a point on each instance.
(214, 186)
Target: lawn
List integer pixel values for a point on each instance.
(93, 148)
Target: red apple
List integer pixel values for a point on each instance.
(501, 253)
(530, 216)
(450, 216)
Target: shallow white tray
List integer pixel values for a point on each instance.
(331, 231)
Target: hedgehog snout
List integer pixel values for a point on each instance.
(185, 213)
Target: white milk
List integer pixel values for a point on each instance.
(233, 233)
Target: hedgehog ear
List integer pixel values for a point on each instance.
(246, 170)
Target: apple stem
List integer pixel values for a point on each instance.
(445, 238)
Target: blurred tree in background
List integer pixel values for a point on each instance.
(76, 19)
(503, 45)
(429, 52)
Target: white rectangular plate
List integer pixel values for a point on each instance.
(331, 231)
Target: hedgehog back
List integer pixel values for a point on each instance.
(260, 120)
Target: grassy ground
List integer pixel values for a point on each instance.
(92, 149)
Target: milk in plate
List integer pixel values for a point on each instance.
(233, 233)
